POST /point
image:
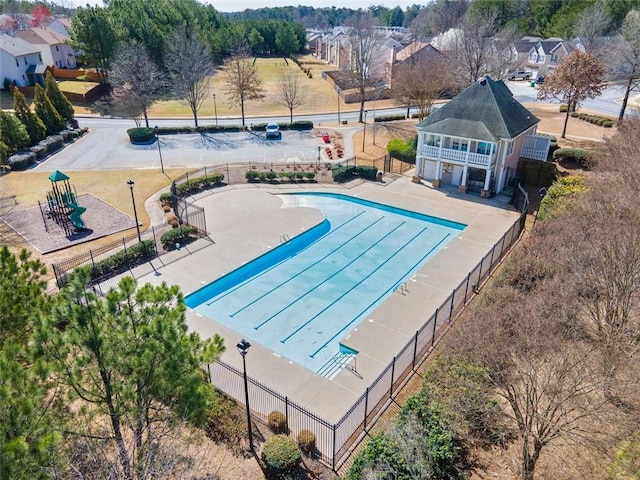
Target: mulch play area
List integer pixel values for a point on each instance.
(100, 219)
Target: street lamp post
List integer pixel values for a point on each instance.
(215, 108)
(338, 107)
(243, 348)
(131, 183)
(318, 163)
(159, 150)
(364, 130)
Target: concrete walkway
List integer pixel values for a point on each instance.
(247, 220)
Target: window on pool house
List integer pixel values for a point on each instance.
(433, 140)
(458, 144)
(483, 148)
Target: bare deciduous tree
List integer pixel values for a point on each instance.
(365, 41)
(137, 79)
(474, 47)
(627, 57)
(592, 28)
(191, 65)
(289, 93)
(578, 77)
(242, 81)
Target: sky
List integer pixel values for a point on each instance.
(239, 5)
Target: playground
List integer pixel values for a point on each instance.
(64, 218)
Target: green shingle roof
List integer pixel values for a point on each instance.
(58, 176)
(484, 111)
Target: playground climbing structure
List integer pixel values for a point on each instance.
(62, 206)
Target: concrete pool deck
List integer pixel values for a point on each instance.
(246, 221)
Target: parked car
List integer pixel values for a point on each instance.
(520, 75)
(540, 79)
(273, 131)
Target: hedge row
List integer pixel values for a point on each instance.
(197, 184)
(595, 119)
(270, 176)
(343, 174)
(53, 143)
(134, 255)
(296, 125)
(389, 118)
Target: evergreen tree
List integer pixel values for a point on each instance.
(12, 133)
(129, 356)
(47, 112)
(57, 98)
(35, 128)
(28, 433)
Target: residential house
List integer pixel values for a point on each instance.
(20, 61)
(476, 140)
(545, 55)
(61, 25)
(56, 52)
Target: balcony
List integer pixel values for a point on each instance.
(456, 156)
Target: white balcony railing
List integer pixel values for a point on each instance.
(534, 154)
(458, 156)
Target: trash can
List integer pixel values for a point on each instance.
(533, 84)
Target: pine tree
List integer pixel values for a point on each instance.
(57, 98)
(12, 133)
(47, 112)
(35, 128)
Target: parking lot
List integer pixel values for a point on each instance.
(109, 148)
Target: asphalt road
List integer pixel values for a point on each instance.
(107, 145)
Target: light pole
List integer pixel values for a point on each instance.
(338, 106)
(364, 130)
(215, 108)
(131, 183)
(243, 348)
(318, 164)
(159, 150)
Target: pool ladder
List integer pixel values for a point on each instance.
(284, 238)
(402, 288)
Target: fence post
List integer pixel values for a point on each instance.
(286, 411)
(466, 288)
(209, 370)
(435, 322)
(93, 263)
(205, 174)
(228, 177)
(415, 350)
(480, 272)
(393, 373)
(453, 296)
(366, 407)
(155, 240)
(492, 252)
(333, 457)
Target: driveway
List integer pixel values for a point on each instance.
(109, 148)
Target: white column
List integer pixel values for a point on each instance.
(465, 169)
(487, 179)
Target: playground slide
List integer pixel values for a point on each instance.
(76, 213)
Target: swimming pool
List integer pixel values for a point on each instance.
(301, 298)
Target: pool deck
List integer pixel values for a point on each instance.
(246, 221)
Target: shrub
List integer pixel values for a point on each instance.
(166, 197)
(39, 150)
(557, 194)
(564, 107)
(306, 441)
(367, 172)
(196, 184)
(53, 143)
(342, 174)
(607, 124)
(389, 118)
(225, 421)
(180, 236)
(280, 454)
(299, 175)
(140, 135)
(251, 175)
(403, 150)
(21, 161)
(271, 175)
(583, 157)
(310, 175)
(277, 422)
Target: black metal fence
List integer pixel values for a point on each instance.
(336, 442)
(188, 213)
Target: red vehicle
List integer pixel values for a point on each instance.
(325, 137)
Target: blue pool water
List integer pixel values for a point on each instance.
(302, 297)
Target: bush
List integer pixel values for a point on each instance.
(134, 255)
(225, 422)
(557, 193)
(196, 184)
(306, 441)
(251, 175)
(53, 143)
(367, 172)
(271, 175)
(277, 422)
(342, 174)
(564, 107)
(389, 118)
(403, 150)
(578, 155)
(180, 236)
(21, 161)
(166, 197)
(39, 150)
(310, 175)
(280, 454)
(140, 135)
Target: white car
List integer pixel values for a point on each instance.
(273, 131)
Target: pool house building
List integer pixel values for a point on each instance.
(474, 141)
